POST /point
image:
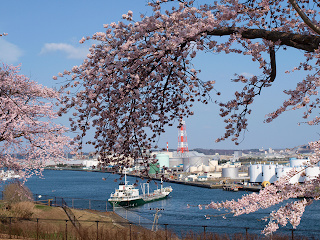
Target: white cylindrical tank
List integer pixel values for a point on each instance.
(301, 174)
(312, 173)
(191, 161)
(230, 173)
(283, 171)
(269, 173)
(205, 160)
(218, 168)
(206, 169)
(296, 177)
(213, 164)
(193, 169)
(163, 160)
(295, 162)
(255, 173)
(200, 168)
(175, 161)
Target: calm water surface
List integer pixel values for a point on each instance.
(89, 185)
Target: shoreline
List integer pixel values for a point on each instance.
(210, 185)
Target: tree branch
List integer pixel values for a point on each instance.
(300, 41)
(304, 17)
(273, 64)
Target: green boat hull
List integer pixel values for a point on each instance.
(135, 202)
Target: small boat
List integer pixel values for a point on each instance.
(128, 196)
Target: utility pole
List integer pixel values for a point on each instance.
(156, 218)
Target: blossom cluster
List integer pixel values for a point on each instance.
(280, 191)
(139, 78)
(28, 137)
(258, 29)
(144, 69)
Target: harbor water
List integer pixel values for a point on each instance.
(176, 212)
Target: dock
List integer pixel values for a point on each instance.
(236, 188)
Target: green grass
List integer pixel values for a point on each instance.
(43, 207)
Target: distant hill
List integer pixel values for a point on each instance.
(298, 149)
(222, 151)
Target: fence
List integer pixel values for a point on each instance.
(78, 203)
(137, 220)
(134, 218)
(99, 205)
(38, 228)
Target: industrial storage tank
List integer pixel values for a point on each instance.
(191, 161)
(312, 173)
(200, 168)
(295, 162)
(213, 164)
(193, 169)
(269, 173)
(163, 160)
(206, 169)
(255, 173)
(153, 168)
(301, 174)
(283, 171)
(175, 161)
(297, 177)
(194, 159)
(230, 173)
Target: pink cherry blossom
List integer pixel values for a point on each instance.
(27, 111)
(139, 77)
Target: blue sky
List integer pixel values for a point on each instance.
(44, 37)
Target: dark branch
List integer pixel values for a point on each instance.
(273, 64)
(304, 17)
(300, 41)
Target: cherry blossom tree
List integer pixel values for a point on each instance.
(28, 137)
(139, 77)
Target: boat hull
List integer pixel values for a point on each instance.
(136, 202)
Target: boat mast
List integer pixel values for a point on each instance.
(125, 178)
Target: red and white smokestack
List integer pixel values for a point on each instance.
(182, 139)
(167, 147)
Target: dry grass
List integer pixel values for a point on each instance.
(20, 210)
(16, 192)
(95, 225)
(237, 236)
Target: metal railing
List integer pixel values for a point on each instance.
(77, 203)
(133, 217)
(71, 216)
(37, 228)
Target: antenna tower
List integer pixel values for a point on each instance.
(182, 140)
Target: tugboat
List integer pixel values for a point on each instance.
(128, 196)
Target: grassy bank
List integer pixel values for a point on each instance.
(45, 222)
(31, 221)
